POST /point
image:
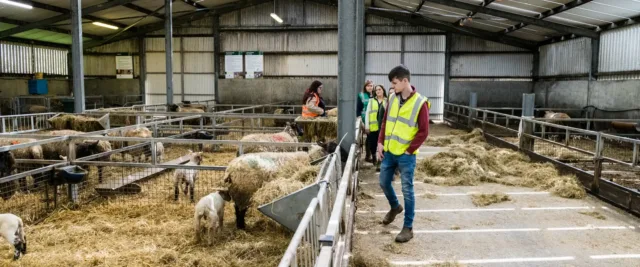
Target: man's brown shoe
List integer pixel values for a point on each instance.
(391, 215)
(405, 235)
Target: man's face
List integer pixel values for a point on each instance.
(399, 85)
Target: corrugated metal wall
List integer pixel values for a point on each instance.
(50, 60)
(475, 58)
(620, 51)
(424, 55)
(566, 58)
(17, 58)
(193, 68)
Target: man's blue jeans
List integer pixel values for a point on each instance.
(406, 164)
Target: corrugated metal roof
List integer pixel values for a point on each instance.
(461, 43)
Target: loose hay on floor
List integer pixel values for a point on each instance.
(121, 234)
(475, 162)
(483, 200)
(358, 260)
(593, 214)
(456, 137)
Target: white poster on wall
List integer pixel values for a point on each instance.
(233, 65)
(124, 67)
(254, 61)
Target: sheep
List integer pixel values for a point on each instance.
(159, 152)
(332, 112)
(12, 230)
(140, 132)
(36, 109)
(249, 172)
(183, 109)
(211, 209)
(557, 115)
(187, 176)
(53, 151)
(7, 165)
(32, 152)
(288, 135)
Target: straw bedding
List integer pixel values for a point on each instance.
(483, 200)
(473, 163)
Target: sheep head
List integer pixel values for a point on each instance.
(196, 157)
(89, 148)
(174, 108)
(293, 129)
(225, 195)
(7, 161)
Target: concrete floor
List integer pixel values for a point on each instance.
(534, 229)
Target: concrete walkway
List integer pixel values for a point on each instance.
(533, 229)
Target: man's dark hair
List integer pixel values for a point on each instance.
(400, 72)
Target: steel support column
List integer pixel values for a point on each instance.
(142, 48)
(168, 48)
(347, 72)
(360, 39)
(528, 104)
(76, 54)
(216, 55)
(447, 66)
(595, 59)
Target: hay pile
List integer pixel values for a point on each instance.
(359, 260)
(318, 128)
(483, 200)
(456, 137)
(471, 164)
(122, 234)
(76, 122)
(116, 119)
(332, 112)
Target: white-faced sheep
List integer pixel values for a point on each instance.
(140, 132)
(187, 177)
(288, 135)
(249, 172)
(32, 152)
(12, 230)
(209, 215)
(7, 165)
(183, 109)
(555, 118)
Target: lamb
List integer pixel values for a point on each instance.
(187, 176)
(7, 165)
(32, 152)
(210, 208)
(288, 135)
(12, 230)
(557, 115)
(159, 152)
(249, 172)
(140, 132)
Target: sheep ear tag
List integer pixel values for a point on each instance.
(289, 210)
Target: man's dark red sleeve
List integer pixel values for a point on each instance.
(384, 123)
(423, 129)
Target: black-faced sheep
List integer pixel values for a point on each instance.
(249, 172)
(54, 151)
(7, 165)
(12, 230)
(182, 109)
(209, 215)
(187, 177)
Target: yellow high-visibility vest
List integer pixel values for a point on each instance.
(373, 114)
(402, 124)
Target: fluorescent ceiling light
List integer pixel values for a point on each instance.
(105, 25)
(275, 17)
(22, 5)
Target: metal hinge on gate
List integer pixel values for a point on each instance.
(326, 240)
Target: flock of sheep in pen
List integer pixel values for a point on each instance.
(245, 174)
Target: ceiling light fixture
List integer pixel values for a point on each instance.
(105, 25)
(18, 4)
(274, 15)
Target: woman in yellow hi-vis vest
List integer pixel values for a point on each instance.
(405, 127)
(374, 114)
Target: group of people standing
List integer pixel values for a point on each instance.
(396, 127)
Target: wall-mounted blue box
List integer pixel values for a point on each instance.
(38, 87)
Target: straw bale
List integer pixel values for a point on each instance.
(75, 122)
(319, 128)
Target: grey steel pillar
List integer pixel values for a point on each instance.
(142, 55)
(473, 103)
(76, 54)
(347, 72)
(216, 55)
(360, 39)
(528, 104)
(168, 47)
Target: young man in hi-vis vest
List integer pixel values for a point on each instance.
(404, 129)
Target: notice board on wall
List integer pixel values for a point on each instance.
(233, 65)
(124, 67)
(254, 62)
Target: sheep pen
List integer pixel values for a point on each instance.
(471, 161)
